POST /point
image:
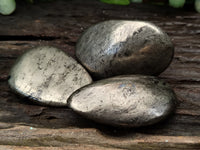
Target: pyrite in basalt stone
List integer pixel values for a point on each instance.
(124, 47)
(47, 75)
(130, 101)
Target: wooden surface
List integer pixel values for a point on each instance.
(25, 125)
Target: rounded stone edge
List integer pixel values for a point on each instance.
(97, 76)
(170, 112)
(32, 99)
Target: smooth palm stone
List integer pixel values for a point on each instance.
(47, 75)
(124, 47)
(130, 101)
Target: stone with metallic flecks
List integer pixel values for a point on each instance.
(129, 101)
(47, 75)
(124, 47)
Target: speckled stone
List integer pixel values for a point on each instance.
(124, 47)
(129, 101)
(47, 75)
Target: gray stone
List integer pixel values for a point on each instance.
(130, 101)
(124, 47)
(47, 75)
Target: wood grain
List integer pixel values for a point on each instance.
(25, 125)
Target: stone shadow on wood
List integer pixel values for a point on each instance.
(21, 111)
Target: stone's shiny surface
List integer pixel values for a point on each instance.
(124, 47)
(125, 101)
(47, 75)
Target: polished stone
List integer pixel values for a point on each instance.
(130, 101)
(124, 47)
(47, 75)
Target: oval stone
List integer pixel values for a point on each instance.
(124, 47)
(130, 101)
(47, 75)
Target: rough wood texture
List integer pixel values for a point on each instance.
(25, 125)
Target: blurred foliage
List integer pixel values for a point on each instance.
(172, 3)
(117, 2)
(177, 3)
(197, 5)
(8, 6)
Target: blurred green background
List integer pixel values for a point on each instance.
(7, 7)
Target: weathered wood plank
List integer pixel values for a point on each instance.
(18, 111)
(26, 136)
(60, 23)
(69, 147)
